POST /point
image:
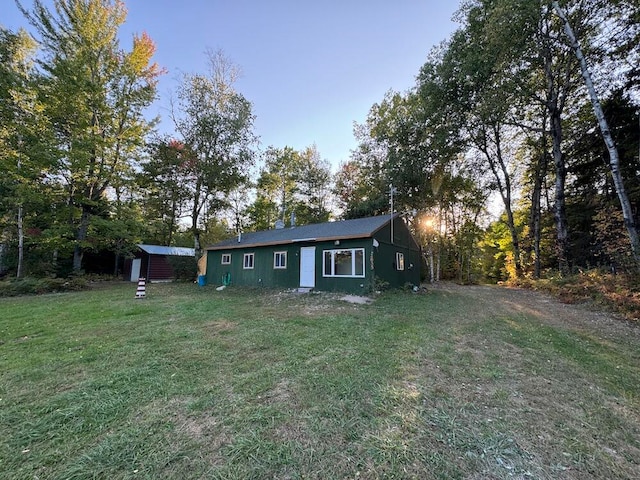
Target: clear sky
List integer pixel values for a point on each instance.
(310, 68)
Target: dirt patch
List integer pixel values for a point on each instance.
(357, 299)
(311, 304)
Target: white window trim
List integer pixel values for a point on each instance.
(244, 261)
(353, 263)
(283, 256)
(225, 255)
(399, 261)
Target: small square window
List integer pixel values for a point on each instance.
(248, 261)
(226, 259)
(279, 259)
(399, 261)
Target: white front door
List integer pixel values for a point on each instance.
(135, 269)
(308, 267)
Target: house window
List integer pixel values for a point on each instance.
(248, 261)
(279, 259)
(343, 263)
(399, 261)
(226, 259)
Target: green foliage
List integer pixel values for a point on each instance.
(37, 286)
(95, 98)
(215, 231)
(215, 123)
(495, 108)
(184, 268)
(291, 183)
(164, 180)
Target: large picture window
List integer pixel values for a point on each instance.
(343, 263)
(248, 261)
(279, 259)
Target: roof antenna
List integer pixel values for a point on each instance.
(392, 190)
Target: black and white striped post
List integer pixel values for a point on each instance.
(141, 291)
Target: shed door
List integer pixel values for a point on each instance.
(308, 267)
(135, 269)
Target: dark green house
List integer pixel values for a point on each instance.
(348, 256)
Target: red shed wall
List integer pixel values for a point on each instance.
(159, 268)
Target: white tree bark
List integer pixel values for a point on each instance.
(614, 161)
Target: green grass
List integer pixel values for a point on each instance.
(195, 383)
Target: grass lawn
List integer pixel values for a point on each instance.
(194, 383)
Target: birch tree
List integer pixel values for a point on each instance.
(614, 161)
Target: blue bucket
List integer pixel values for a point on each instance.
(202, 280)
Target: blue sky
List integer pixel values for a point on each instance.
(310, 68)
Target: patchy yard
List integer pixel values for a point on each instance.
(457, 382)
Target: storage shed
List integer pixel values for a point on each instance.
(353, 256)
(152, 262)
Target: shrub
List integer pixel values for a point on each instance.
(184, 268)
(37, 286)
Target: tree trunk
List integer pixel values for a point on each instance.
(81, 237)
(54, 262)
(20, 243)
(614, 160)
(3, 249)
(560, 210)
(195, 217)
(536, 207)
(431, 265)
(539, 173)
(502, 177)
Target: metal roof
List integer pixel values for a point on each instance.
(345, 229)
(160, 250)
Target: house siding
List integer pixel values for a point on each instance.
(357, 285)
(385, 256)
(262, 273)
(379, 263)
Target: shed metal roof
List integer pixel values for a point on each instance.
(175, 251)
(345, 229)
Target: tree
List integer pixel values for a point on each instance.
(216, 125)
(482, 101)
(348, 187)
(362, 183)
(314, 190)
(293, 187)
(614, 160)
(96, 94)
(23, 134)
(278, 183)
(164, 179)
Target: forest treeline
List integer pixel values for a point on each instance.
(503, 117)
